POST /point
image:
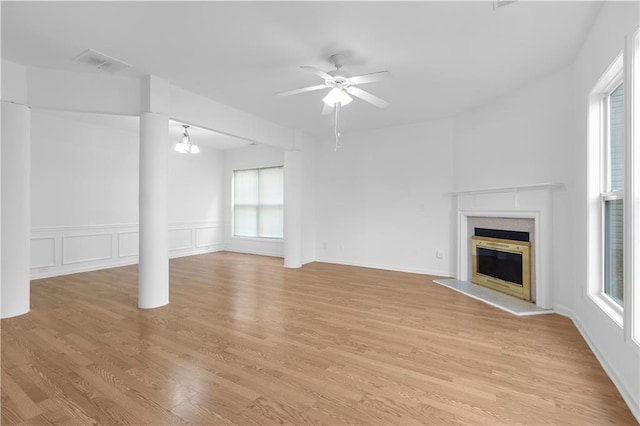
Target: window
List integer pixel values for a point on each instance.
(258, 202)
(632, 189)
(613, 194)
(606, 183)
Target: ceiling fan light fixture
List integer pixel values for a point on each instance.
(337, 94)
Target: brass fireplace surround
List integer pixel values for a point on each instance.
(510, 246)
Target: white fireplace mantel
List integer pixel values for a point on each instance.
(526, 201)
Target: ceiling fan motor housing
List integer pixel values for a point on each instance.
(340, 79)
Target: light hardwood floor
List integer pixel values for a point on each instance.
(245, 341)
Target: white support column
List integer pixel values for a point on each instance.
(292, 209)
(16, 217)
(153, 268)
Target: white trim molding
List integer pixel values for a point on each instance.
(632, 185)
(71, 249)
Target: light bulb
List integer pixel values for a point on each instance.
(181, 148)
(337, 95)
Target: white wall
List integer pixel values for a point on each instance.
(308, 147)
(383, 199)
(84, 194)
(619, 355)
(518, 139)
(196, 197)
(255, 156)
(83, 173)
(196, 188)
(14, 82)
(86, 92)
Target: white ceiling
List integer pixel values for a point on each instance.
(443, 57)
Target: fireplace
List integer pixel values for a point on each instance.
(501, 260)
(531, 203)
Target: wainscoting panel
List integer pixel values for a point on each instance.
(128, 243)
(208, 236)
(66, 250)
(180, 239)
(86, 248)
(43, 252)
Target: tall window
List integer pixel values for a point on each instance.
(613, 193)
(606, 192)
(258, 202)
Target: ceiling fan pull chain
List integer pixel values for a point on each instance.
(337, 125)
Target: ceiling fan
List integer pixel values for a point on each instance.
(341, 85)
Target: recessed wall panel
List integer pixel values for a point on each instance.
(43, 252)
(180, 239)
(86, 248)
(208, 236)
(128, 244)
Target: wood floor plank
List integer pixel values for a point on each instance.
(245, 341)
(21, 401)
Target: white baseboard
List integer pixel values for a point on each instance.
(407, 269)
(81, 268)
(132, 261)
(632, 403)
(256, 252)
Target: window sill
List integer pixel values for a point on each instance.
(258, 239)
(609, 307)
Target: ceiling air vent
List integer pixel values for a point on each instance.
(501, 3)
(101, 61)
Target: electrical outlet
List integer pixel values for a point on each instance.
(439, 254)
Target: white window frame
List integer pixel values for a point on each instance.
(632, 186)
(597, 178)
(233, 205)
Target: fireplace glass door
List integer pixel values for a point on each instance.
(502, 265)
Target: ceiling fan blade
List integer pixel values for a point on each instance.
(317, 71)
(367, 97)
(369, 78)
(304, 89)
(326, 109)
